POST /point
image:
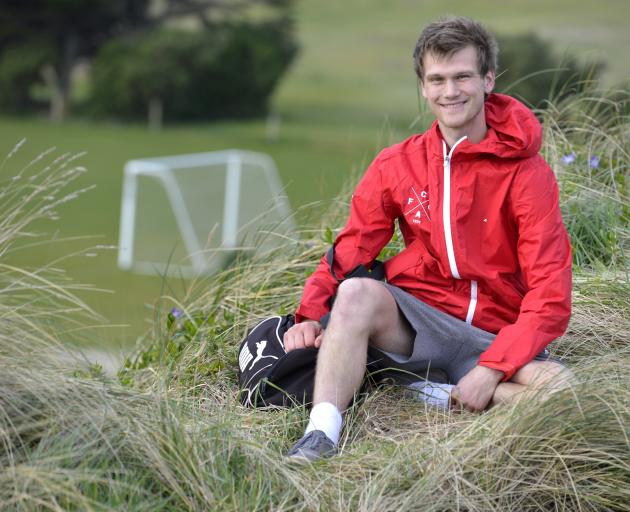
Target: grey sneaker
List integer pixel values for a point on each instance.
(314, 445)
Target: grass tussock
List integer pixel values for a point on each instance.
(586, 139)
(38, 307)
(169, 434)
(68, 442)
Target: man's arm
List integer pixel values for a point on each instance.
(544, 255)
(369, 227)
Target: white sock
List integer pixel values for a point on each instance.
(327, 418)
(432, 393)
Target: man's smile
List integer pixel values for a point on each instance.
(453, 106)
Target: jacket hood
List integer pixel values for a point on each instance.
(513, 130)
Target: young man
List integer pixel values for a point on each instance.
(484, 282)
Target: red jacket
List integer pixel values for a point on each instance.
(482, 228)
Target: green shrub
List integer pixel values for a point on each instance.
(530, 70)
(227, 71)
(19, 72)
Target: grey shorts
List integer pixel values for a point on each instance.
(444, 350)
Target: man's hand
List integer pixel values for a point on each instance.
(303, 335)
(475, 389)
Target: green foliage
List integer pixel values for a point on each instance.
(37, 306)
(182, 331)
(198, 343)
(530, 70)
(76, 440)
(81, 444)
(20, 21)
(19, 72)
(226, 71)
(55, 34)
(62, 33)
(586, 142)
(594, 224)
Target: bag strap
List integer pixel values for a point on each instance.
(376, 270)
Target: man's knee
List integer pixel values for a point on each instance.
(544, 374)
(359, 298)
(366, 308)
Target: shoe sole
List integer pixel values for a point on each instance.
(299, 460)
(302, 458)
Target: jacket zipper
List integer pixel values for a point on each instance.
(448, 233)
(473, 301)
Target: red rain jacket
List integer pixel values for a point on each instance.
(484, 238)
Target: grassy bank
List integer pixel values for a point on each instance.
(72, 443)
(170, 434)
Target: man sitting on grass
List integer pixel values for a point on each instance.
(484, 282)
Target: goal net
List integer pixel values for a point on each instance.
(189, 214)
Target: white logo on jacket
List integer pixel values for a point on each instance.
(420, 206)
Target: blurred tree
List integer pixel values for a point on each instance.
(53, 35)
(42, 40)
(19, 70)
(227, 71)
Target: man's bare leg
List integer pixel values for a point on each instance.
(364, 312)
(534, 378)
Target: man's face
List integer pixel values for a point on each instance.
(455, 92)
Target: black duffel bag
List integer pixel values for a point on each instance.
(268, 375)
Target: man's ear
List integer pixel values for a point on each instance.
(488, 82)
(421, 85)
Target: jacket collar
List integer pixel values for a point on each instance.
(513, 132)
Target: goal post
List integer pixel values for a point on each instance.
(189, 214)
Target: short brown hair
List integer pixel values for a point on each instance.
(446, 36)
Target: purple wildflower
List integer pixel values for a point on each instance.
(594, 162)
(176, 313)
(569, 159)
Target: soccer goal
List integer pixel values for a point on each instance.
(190, 214)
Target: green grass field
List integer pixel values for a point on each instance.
(313, 162)
(351, 91)
(356, 59)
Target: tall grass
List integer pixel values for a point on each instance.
(169, 434)
(587, 138)
(38, 307)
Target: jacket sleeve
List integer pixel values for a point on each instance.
(370, 226)
(544, 255)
